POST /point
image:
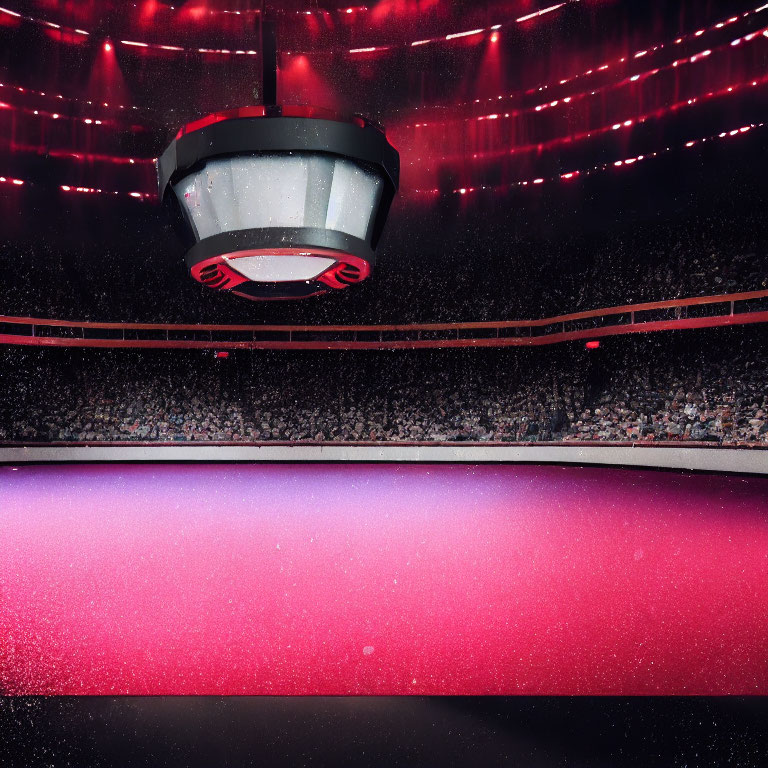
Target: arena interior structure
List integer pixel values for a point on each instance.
(573, 272)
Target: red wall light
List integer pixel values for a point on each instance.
(592, 345)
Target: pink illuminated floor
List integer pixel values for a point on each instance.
(378, 579)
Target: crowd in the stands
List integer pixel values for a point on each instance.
(720, 404)
(496, 395)
(461, 268)
(471, 268)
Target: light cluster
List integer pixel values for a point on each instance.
(598, 92)
(86, 190)
(569, 175)
(614, 63)
(367, 49)
(128, 43)
(92, 190)
(519, 20)
(571, 138)
(73, 99)
(51, 115)
(349, 10)
(345, 10)
(373, 49)
(622, 163)
(90, 157)
(45, 23)
(543, 106)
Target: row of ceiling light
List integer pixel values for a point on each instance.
(522, 183)
(569, 101)
(583, 135)
(575, 174)
(734, 88)
(543, 87)
(605, 66)
(136, 44)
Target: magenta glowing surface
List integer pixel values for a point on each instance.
(381, 579)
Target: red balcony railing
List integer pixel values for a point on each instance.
(676, 314)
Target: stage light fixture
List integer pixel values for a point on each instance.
(279, 202)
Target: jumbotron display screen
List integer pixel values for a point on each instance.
(381, 579)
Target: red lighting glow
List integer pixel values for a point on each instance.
(500, 188)
(605, 66)
(72, 99)
(618, 164)
(600, 92)
(476, 144)
(540, 145)
(592, 345)
(68, 33)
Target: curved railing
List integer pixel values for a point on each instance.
(676, 314)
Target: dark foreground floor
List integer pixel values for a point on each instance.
(416, 731)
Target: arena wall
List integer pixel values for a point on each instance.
(752, 460)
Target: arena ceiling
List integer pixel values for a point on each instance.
(543, 117)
